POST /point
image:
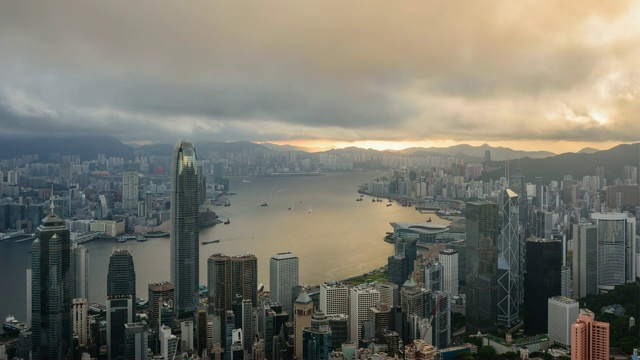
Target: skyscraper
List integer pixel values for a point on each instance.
(616, 249)
(482, 266)
(52, 290)
(542, 281)
(283, 276)
(589, 338)
(159, 294)
(362, 298)
(449, 260)
(81, 321)
(509, 259)
(562, 313)
(81, 271)
(130, 190)
(135, 341)
(317, 339)
(585, 260)
(119, 312)
(303, 311)
(184, 227)
(334, 298)
(121, 278)
(231, 275)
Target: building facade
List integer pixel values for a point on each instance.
(562, 313)
(130, 190)
(283, 276)
(334, 298)
(121, 276)
(509, 260)
(185, 243)
(542, 281)
(589, 338)
(449, 260)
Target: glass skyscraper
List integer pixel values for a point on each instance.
(283, 276)
(121, 278)
(184, 227)
(482, 267)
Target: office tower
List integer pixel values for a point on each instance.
(81, 271)
(441, 323)
(565, 281)
(589, 338)
(482, 267)
(412, 299)
(302, 313)
(52, 290)
(433, 276)
(585, 260)
(389, 293)
(186, 335)
(230, 275)
(397, 268)
(379, 319)
(509, 260)
(334, 298)
(229, 326)
(283, 276)
(81, 321)
(449, 260)
(168, 342)
(317, 339)
(184, 228)
(160, 293)
(121, 278)
(119, 312)
(148, 202)
(243, 311)
(562, 313)
(461, 247)
(201, 330)
(130, 190)
(518, 186)
(542, 281)
(135, 341)
(361, 298)
(339, 325)
(616, 249)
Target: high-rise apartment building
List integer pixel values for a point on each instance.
(185, 244)
(542, 281)
(562, 313)
(616, 249)
(449, 260)
(585, 260)
(589, 338)
(334, 298)
(52, 290)
(482, 266)
(509, 260)
(130, 190)
(362, 298)
(283, 276)
(121, 277)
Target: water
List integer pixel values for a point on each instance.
(333, 235)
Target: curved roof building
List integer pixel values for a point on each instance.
(423, 231)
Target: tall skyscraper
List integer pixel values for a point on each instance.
(585, 260)
(449, 260)
(231, 275)
(482, 266)
(184, 227)
(589, 338)
(81, 321)
(283, 276)
(159, 294)
(119, 312)
(362, 298)
(509, 259)
(81, 271)
(542, 281)
(334, 298)
(616, 249)
(121, 278)
(52, 290)
(302, 313)
(562, 313)
(130, 190)
(317, 339)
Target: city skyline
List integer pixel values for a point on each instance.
(558, 77)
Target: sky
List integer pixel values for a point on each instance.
(527, 74)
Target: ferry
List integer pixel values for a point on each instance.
(122, 239)
(227, 222)
(210, 242)
(389, 205)
(264, 204)
(246, 181)
(11, 324)
(140, 238)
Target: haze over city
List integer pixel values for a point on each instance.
(530, 75)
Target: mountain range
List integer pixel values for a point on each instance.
(534, 163)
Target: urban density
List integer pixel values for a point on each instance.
(475, 274)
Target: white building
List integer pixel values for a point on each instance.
(388, 293)
(283, 276)
(80, 320)
(168, 342)
(130, 190)
(561, 314)
(449, 260)
(186, 337)
(362, 298)
(334, 298)
(616, 249)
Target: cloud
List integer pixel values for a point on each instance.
(429, 70)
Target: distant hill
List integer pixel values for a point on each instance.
(576, 165)
(588, 150)
(204, 147)
(88, 147)
(477, 152)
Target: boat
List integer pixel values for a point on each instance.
(228, 203)
(379, 200)
(210, 241)
(264, 204)
(390, 200)
(373, 200)
(246, 181)
(140, 238)
(227, 222)
(389, 205)
(290, 207)
(157, 234)
(121, 239)
(359, 199)
(429, 219)
(11, 324)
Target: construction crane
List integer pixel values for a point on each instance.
(430, 319)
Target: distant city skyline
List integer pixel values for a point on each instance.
(530, 76)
